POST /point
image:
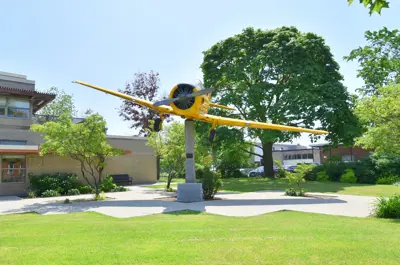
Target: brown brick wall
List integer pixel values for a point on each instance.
(341, 151)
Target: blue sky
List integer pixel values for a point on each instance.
(106, 42)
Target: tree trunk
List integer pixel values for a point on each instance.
(158, 158)
(169, 180)
(268, 161)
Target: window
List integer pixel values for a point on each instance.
(348, 158)
(17, 108)
(12, 142)
(3, 104)
(13, 168)
(310, 156)
(304, 156)
(298, 156)
(14, 107)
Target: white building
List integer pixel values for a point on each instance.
(290, 154)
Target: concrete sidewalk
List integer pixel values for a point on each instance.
(141, 201)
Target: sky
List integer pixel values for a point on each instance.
(106, 42)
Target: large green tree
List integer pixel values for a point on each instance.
(84, 142)
(281, 76)
(381, 116)
(63, 103)
(379, 59)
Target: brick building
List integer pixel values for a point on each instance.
(345, 153)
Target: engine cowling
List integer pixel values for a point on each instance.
(191, 106)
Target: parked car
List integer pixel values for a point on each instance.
(292, 168)
(259, 172)
(245, 171)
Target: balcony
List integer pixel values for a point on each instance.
(40, 119)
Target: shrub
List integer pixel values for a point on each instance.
(119, 189)
(211, 183)
(293, 192)
(312, 175)
(298, 174)
(290, 192)
(348, 176)
(107, 184)
(388, 180)
(281, 173)
(388, 208)
(60, 182)
(66, 201)
(100, 197)
(31, 194)
(85, 189)
(322, 176)
(335, 170)
(237, 174)
(73, 192)
(366, 171)
(301, 193)
(50, 193)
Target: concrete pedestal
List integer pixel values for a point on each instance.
(190, 192)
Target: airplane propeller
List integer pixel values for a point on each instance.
(183, 97)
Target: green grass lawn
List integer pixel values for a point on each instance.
(257, 184)
(194, 238)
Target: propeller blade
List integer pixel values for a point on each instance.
(201, 92)
(195, 94)
(165, 101)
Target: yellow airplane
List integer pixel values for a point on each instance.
(192, 103)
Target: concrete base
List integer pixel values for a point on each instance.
(190, 192)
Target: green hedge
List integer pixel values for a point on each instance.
(59, 182)
(367, 170)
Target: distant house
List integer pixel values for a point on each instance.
(19, 146)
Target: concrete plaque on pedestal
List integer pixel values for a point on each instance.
(190, 192)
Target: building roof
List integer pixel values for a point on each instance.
(127, 137)
(39, 99)
(30, 149)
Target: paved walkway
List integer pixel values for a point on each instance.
(141, 201)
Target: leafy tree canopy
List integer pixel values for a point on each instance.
(63, 103)
(281, 76)
(379, 60)
(381, 116)
(145, 86)
(85, 142)
(373, 5)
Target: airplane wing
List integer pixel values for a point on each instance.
(218, 120)
(146, 103)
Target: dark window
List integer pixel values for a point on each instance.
(12, 142)
(298, 156)
(304, 156)
(310, 156)
(3, 103)
(285, 157)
